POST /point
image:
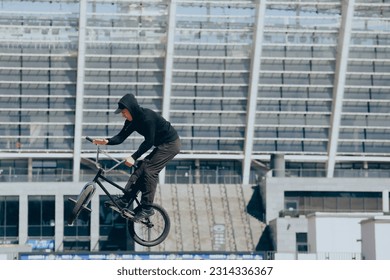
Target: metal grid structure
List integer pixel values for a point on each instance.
(240, 79)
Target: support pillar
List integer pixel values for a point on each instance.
(278, 165)
(385, 201)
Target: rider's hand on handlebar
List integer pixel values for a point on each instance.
(129, 161)
(100, 141)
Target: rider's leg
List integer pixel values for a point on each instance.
(153, 164)
(137, 174)
(123, 200)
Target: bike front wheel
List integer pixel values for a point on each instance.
(153, 230)
(82, 201)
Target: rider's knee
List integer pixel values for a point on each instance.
(150, 174)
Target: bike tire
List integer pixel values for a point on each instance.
(152, 230)
(82, 201)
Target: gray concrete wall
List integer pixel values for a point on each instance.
(203, 217)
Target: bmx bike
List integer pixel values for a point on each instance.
(149, 231)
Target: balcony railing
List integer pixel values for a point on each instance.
(11, 174)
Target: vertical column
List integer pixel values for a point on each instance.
(59, 224)
(30, 170)
(167, 87)
(95, 223)
(385, 201)
(278, 165)
(339, 82)
(253, 88)
(79, 91)
(23, 219)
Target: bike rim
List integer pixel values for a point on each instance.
(152, 230)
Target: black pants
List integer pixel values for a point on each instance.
(147, 174)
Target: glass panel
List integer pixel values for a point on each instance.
(113, 229)
(336, 201)
(82, 226)
(41, 215)
(9, 216)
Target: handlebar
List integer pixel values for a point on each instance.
(118, 162)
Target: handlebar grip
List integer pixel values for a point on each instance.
(89, 139)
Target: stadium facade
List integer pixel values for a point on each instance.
(298, 86)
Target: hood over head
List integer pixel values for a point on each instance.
(129, 102)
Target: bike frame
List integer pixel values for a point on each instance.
(151, 231)
(101, 177)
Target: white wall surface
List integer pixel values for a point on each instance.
(375, 238)
(335, 232)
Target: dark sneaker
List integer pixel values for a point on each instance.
(121, 201)
(143, 213)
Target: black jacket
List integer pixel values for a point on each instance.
(155, 129)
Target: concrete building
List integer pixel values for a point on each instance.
(322, 218)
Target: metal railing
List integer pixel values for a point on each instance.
(307, 211)
(11, 174)
(339, 173)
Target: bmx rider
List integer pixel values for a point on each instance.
(157, 132)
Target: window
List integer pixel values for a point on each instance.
(291, 205)
(301, 241)
(9, 219)
(335, 201)
(113, 229)
(41, 216)
(76, 236)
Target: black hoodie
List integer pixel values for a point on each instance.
(152, 126)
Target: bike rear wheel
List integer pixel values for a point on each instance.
(82, 201)
(153, 230)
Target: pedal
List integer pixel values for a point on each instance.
(113, 207)
(127, 214)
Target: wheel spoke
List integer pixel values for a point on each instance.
(152, 230)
